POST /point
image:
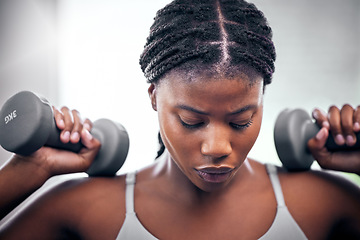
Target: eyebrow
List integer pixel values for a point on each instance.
(244, 109)
(238, 111)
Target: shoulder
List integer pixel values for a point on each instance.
(88, 202)
(79, 206)
(320, 184)
(321, 198)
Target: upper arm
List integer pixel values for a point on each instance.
(345, 198)
(37, 217)
(321, 202)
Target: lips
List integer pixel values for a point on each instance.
(214, 174)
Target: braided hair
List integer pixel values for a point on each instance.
(210, 35)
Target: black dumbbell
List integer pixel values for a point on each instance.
(27, 123)
(293, 129)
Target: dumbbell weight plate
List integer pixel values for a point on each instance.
(293, 129)
(114, 148)
(24, 128)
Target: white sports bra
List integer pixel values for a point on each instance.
(283, 227)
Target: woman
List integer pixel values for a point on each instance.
(208, 63)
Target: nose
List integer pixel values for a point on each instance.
(216, 143)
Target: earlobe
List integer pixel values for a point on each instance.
(152, 95)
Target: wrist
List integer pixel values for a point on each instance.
(30, 169)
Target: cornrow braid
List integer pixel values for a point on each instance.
(210, 33)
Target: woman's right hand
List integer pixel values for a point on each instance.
(23, 175)
(73, 129)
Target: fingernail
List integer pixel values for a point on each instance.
(87, 126)
(88, 136)
(339, 139)
(356, 126)
(75, 137)
(66, 136)
(326, 124)
(320, 135)
(350, 140)
(61, 123)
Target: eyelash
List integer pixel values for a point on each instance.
(234, 125)
(241, 127)
(191, 126)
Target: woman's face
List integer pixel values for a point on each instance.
(208, 125)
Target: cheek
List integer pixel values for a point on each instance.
(244, 142)
(175, 138)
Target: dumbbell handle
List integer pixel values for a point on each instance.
(55, 142)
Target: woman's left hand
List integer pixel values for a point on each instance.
(343, 124)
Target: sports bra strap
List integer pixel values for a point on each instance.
(129, 193)
(274, 178)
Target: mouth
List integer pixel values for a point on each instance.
(215, 174)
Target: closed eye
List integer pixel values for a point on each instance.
(241, 126)
(191, 126)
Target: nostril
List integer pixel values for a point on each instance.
(221, 158)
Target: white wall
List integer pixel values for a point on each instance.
(27, 50)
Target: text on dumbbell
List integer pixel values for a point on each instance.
(10, 117)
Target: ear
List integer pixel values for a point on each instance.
(152, 95)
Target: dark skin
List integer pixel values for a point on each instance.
(178, 196)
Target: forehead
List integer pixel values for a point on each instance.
(207, 92)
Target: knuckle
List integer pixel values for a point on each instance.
(76, 116)
(64, 109)
(319, 114)
(75, 112)
(347, 106)
(333, 108)
(88, 121)
(357, 112)
(88, 124)
(335, 129)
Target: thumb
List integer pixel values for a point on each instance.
(92, 145)
(318, 142)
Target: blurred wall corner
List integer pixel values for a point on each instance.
(28, 50)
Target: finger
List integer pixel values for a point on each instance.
(342, 161)
(335, 125)
(318, 142)
(68, 119)
(320, 118)
(347, 124)
(77, 127)
(356, 119)
(88, 125)
(87, 138)
(316, 145)
(59, 120)
(92, 145)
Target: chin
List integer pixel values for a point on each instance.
(211, 187)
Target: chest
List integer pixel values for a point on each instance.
(223, 218)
